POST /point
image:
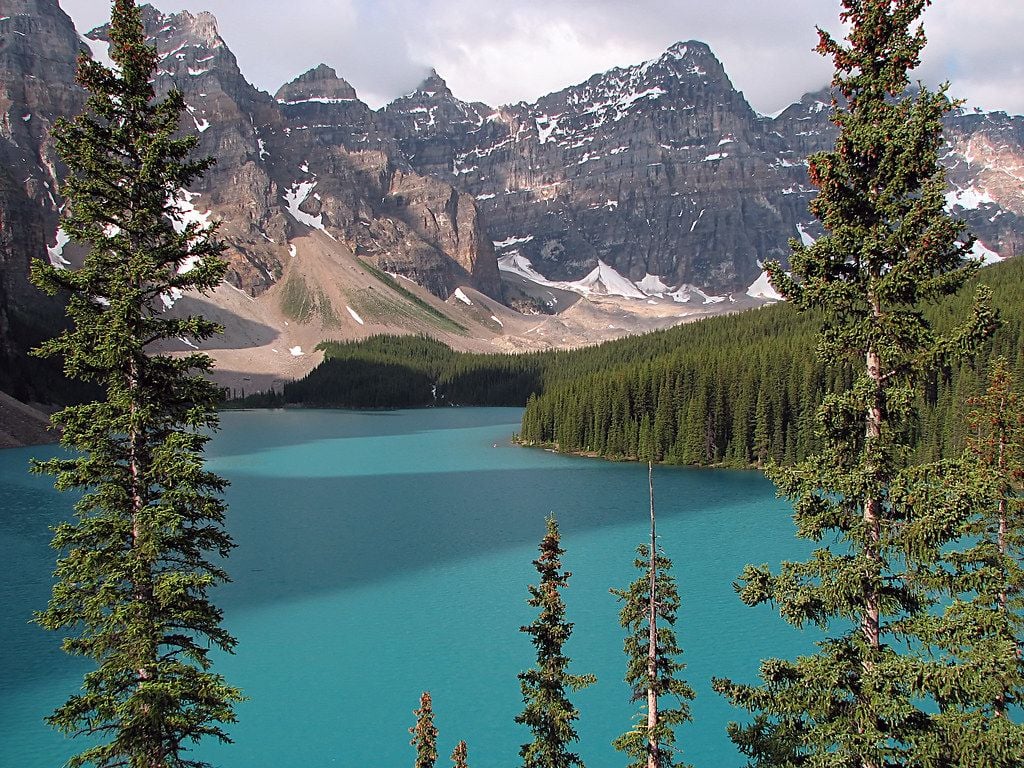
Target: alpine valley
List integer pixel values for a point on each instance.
(641, 198)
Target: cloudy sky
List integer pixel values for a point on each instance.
(504, 51)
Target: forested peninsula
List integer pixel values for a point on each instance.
(737, 390)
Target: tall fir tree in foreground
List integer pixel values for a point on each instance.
(424, 733)
(652, 656)
(133, 580)
(889, 248)
(548, 713)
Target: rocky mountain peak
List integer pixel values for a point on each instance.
(688, 74)
(187, 44)
(691, 59)
(434, 86)
(811, 106)
(432, 110)
(201, 28)
(681, 49)
(318, 84)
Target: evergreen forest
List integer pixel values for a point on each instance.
(739, 390)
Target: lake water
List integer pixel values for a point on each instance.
(383, 554)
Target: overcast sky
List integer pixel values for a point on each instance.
(505, 51)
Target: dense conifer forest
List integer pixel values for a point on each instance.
(737, 390)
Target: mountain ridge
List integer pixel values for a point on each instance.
(653, 191)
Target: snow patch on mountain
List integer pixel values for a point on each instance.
(169, 298)
(969, 199)
(685, 294)
(56, 252)
(186, 213)
(603, 279)
(314, 100)
(546, 126)
(762, 288)
(296, 195)
(189, 264)
(461, 296)
(805, 238)
(518, 264)
(984, 254)
(201, 122)
(511, 241)
(652, 285)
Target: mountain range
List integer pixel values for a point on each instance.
(635, 200)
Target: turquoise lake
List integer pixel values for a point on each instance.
(382, 554)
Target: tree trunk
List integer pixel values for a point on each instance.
(873, 505)
(156, 753)
(653, 751)
(870, 620)
(1001, 699)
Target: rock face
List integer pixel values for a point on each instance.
(984, 160)
(658, 169)
(311, 157)
(353, 180)
(649, 178)
(38, 50)
(663, 169)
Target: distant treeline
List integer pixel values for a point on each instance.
(408, 372)
(735, 390)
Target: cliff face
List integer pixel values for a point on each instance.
(354, 181)
(663, 169)
(315, 158)
(312, 157)
(984, 160)
(649, 178)
(38, 50)
(658, 169)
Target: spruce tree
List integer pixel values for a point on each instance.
(889, 248)
(424, 733)
(135, 571)
(652, 656)
(548, 713)
(980, 633)
(460, 755)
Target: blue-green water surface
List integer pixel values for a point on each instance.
(383, 554)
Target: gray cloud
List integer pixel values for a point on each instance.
(520, 49)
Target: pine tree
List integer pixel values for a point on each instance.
(997, 420)
(548, 712)
(424, 733)
(459, 755)
(133, 579)
(652, 652)
(981, 631)
(889, 248)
